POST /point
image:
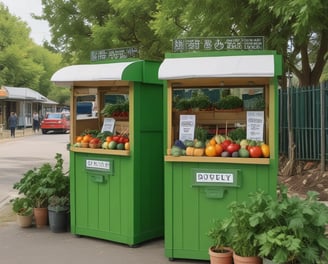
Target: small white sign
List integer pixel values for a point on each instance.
(187, 127)
(255, 125)
(214, 177)
(97, 164)
(109, 124)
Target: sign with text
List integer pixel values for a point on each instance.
(114, 54)
(215, 177)
(187, 127)
(218, 44)
(255, 125)
(109, 124)
(100, 165)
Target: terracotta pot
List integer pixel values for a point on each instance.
(246, 260)
(40, 217)
(24, 220)
(220, 258)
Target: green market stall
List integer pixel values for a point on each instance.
(116, 192)
(198, 188)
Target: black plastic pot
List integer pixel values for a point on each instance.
(58, 220)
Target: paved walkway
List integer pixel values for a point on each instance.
(38, 246)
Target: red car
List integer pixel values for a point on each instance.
(57, 122)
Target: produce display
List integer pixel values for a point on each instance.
(221, 146)
(104, 140)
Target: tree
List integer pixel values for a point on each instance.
(297, 29)
(22, 62)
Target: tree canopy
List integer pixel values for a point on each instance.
(297, 29)
(22, 62)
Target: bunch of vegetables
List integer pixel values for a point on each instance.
(104, 140)
(221, 146)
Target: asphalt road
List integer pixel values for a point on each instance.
(21, 154)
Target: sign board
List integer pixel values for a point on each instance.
(99, 165)
(255, 125)
(218, 44)
(187, 127)
(109, 124)
(114, 54)
(216, 177)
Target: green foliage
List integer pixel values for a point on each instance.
(220, 235)
(59, 203)
(287, 229)
(237, 134)
(115, 109)
(229, 102)
(22, 206)
(40, 183)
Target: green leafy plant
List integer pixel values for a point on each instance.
(220, 235)
(237, 134)
(284, 229)
(22, 206)
(59, 203)
(40, 183)
(229, 102)
(116, 109)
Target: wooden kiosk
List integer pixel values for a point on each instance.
(191, 204)
(115, 194)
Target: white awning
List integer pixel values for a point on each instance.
(224, 66)
(90, 72)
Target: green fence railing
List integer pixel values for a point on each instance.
(306, 115)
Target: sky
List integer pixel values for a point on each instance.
(23, 9)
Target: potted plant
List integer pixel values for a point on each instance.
(295, 228)
(58, 209)
(220, 252)
(39, 184)
(23, 208)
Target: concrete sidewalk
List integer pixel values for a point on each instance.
(40, 245)
(5, 133)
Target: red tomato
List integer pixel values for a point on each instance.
(226, 143)
(255, 152)
(233, 147)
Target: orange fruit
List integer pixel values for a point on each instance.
(109, 139)
(86, 138)
(218, 149)
(210, 151)
(212, 142)
(79, 139)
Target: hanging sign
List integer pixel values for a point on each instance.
(218, 44)
(114, 54)
(255, 125)
(187, 127)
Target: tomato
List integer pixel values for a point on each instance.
(116, 138)
(265, 150)
(210, 151)
(255, 152)
(226, 143)
(233, 147)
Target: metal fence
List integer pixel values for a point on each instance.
(307, 114)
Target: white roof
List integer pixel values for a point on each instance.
(90, 72)
(223, 66)
(24, 94)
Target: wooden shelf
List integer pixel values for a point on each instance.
(101, 151)
(195, 159)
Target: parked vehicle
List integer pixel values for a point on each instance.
(57, 122)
